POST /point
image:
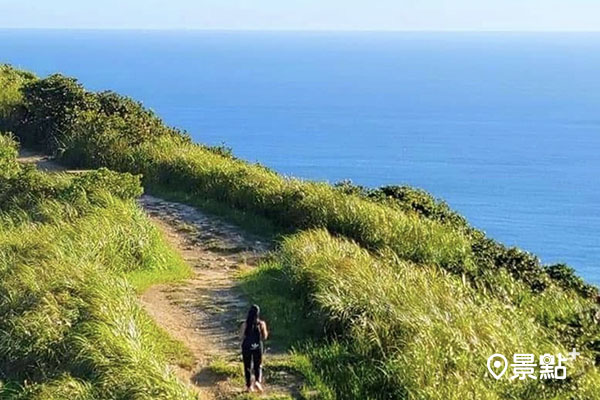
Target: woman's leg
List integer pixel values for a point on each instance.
(257, 360)
(247, 357)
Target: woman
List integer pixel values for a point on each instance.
(253, 333)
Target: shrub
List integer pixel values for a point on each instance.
(8, 156)
(419, 201)
(61, 116)
(11, 98)
(52, 106)
(565, 276)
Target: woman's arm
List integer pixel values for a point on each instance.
(263, 330)
(243, 331)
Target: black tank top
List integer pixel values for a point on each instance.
(252, 341)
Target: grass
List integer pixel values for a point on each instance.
(8, 154)
(224, 369)
(268, 286)
(174, 351)
(362, 325)
(82, 318)
(142, 280)
(402, 331)
(71, 325)
(178, 270)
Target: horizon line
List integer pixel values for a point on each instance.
(291, 30)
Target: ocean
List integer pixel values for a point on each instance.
(505, 127)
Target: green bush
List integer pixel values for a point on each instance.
(11, 97)
(489, 255)
(60, 116)
(9, 150)
(566, 277)
(419, 201)
(52, 106)
(22, 187)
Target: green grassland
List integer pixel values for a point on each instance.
(71, 327)
(382, 293)
(407, 331)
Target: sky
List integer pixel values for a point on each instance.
(359, 15)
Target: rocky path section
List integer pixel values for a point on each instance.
(205, 312)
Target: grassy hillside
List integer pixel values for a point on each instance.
(405, 331)
(412, 299)
(71, 327)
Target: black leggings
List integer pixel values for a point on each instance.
(252, 357)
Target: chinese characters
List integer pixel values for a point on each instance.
(526, 366)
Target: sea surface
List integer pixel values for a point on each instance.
(504, 126)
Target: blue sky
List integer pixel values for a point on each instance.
(520, 15)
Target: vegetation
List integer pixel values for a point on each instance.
(402, 331)
(71, 326)
(418, 332)
(11, 96)
(396, 295)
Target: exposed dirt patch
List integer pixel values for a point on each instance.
(42, 162)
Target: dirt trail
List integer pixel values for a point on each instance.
(42, 162)
(205, 312)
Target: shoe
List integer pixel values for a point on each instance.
(258, 386)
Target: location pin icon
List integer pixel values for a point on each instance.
(497, 365)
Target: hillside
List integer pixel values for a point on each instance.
(384, 293)
(71, 326)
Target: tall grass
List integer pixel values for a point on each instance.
(70, 323)
(298, 204)
(66, 315)
(403, 331)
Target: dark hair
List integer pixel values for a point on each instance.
(252, 319)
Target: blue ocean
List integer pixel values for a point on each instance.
(504, 126)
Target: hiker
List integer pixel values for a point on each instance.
(253, 333)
